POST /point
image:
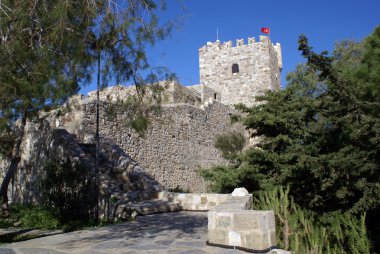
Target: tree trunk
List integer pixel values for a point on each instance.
(12, 167)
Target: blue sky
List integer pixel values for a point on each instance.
(323, 22)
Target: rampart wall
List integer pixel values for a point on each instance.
(177, 144)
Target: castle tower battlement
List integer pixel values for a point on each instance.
(240, 72)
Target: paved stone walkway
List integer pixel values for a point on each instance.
(176, 232)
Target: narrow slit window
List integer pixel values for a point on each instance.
(235, 68)
(214, 96)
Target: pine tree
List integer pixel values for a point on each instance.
(42, 62)
(320, 135)
(49, 48)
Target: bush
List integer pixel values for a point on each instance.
(304, 231)
(68, 191)
(224, 179)
(37, 217)
(221, 179)
(230, 144)
(27, 216)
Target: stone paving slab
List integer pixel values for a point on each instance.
(173, 233)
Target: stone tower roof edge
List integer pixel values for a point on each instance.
(218, 45)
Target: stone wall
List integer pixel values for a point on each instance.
(178, 143)
(4, 164)
(181, 94)
(233, 224)
(199, 201)
(259, 64)
(179, 140)
(205, 92)
(39, 145)
(119, 174)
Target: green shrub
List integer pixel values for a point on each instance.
(68, 191)
(221, 179)
(140, 124)
(28, 216)
(230, 144)
(37, 217)
(304, 231)
(224, 179)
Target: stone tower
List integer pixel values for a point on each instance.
(238, 73)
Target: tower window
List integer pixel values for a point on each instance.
(214, 96)
(235, 68)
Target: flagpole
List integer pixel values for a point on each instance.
(266, 30)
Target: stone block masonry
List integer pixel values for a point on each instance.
(253, 230)
(197, 201)
(42, 144)
(178, 142)
(231, 223)
(239, 73)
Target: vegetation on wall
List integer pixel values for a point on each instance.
(320, 135)
(230, 144)
(137, 111)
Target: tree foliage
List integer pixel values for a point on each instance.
(67, 190)
(321, 134)
(49, 48)
(43, 59)
(230, 144)
(122, 31)
(42, 54)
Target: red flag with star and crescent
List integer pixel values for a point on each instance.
(265, 30)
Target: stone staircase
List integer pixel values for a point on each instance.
(126, 189)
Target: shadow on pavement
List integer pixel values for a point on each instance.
(171, 225)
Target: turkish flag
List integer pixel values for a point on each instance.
(265, 30)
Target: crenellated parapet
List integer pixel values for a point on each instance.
(277, 48)
(218, 45)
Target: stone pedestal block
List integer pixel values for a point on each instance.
(229, 224)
